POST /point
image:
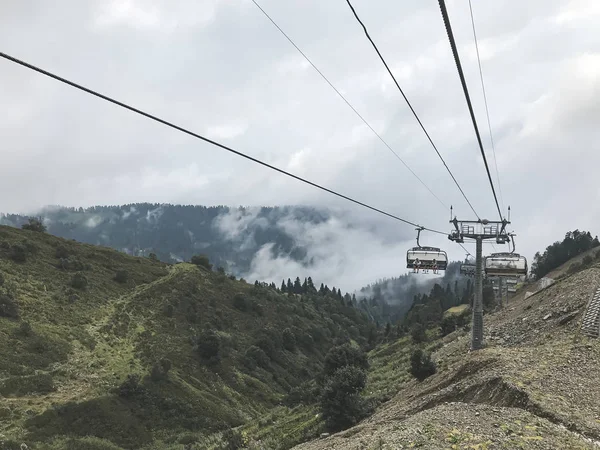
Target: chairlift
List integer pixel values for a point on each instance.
(509, 264)
(468, 268)
(426, 258)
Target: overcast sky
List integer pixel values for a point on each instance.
(220, 68)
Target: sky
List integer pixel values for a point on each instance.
(221, 69)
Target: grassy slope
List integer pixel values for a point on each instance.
(60, 374)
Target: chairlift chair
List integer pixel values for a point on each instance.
(426, 258)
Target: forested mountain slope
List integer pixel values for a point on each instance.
(102, 350)
(229, 237)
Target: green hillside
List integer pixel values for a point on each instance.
(99, 350)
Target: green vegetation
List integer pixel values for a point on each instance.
(574, 243)
(163, 353)
(421, 365)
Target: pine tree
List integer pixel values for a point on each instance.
(283, 288)
(388, 329)
(305, 286)
(290, 286)
(322, 289)
(311, 286)
(297, 286)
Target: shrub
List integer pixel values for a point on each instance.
(18, 253)
(341, 403)
(201, 261)
(8, 307)
(233, 440)
(421, 365)
(61, 252)
(240, 303)
(24, 329)
(289, 340)
(342, 356)
(79, 281)
(160, 370)
(208, 345)
(34, 224)
(306, 393)
(1, 278)
(448, 324)
(256, 356)
(587, 260)
(121, 276)
(153, 256)
(130, 387)
(417, 333)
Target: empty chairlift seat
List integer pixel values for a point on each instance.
(505, 265)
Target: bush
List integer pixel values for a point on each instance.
(421, 365)
(1, 278)
(342, 356)
(233, 440)
(61, 252)
(79, 281)
(417, 333)
(289, 340)
(8, 307)
(240, 303)
(587, 260)
(208, 345)
(448, 324)
(160, 370)
(153, 256)
(121, 276)
(130, 387)
(201, 261)
(256, 356)
(306, 393)
(341, 403)
(34, 224)
(24, 329)
(18, 253)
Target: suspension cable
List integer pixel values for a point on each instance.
(205, 139)
(347, 101)
(487, 112)
(442, 4)
(410, 106)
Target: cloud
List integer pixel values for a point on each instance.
(220, 68)
(344, 250)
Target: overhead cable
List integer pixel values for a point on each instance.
(442, 4)
(487, 112)
(410, 106)
(346, 101)
(205, 139)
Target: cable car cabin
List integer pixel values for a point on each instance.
(426, 258)
(505, 265)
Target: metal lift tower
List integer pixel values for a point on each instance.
(478, 230)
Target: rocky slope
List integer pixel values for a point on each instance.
(534, 385)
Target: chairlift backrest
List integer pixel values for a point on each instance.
(505, 265)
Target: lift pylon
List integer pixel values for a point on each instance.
(478, 230)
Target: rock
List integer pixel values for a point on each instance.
(547, 316)
(324, 435)
(566, 319)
